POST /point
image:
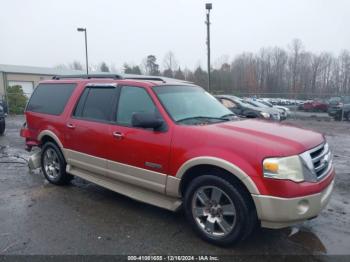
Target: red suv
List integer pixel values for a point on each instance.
(172, 144)
(315, 105)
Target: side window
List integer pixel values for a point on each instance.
(132, 100)
(50, 98)
(96, 103)
(228, 103)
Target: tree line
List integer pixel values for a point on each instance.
(291, 72)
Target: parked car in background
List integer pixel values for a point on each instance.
(284, 111)
(244, 109)
(173, 145)
(315, 106)
(339, 108)
(276, 113)
(2, 120)
(4, 106)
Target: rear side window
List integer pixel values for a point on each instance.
(50, 98)
(96, 103)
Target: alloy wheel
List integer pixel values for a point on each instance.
(51, 164)
(214, 211)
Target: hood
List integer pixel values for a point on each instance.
(270, 138)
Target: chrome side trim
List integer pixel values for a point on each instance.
(233, 169)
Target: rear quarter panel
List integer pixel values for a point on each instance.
(38, 122)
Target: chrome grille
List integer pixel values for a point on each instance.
(321, 160)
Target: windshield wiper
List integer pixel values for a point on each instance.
(201, 117)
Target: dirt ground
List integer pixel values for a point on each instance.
(82, 218)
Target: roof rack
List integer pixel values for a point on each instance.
(149, 78)
(90, 76)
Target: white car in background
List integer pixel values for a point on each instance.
(285, 111)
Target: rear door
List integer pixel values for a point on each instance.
(138, 156)
(87, 129)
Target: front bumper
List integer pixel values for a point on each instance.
(277, 212)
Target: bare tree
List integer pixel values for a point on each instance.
(76, 65)
(169, 63)
(104, 67)
(296, 48)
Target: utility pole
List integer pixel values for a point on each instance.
(208, 7)
(86, 49)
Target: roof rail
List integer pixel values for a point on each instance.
(90, 76)
(149, 78)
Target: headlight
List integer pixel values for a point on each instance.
(284, 168)
(265, 115)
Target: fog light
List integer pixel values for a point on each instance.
(303, 206)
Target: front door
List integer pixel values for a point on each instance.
(138, 156)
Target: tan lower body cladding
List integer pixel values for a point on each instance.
(140, 184)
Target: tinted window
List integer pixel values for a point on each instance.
(50, 98)
(133, 100)
(80, 106)
(96, 103)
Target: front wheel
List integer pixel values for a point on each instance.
(53, 164)
(220, 213)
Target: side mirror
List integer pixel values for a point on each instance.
(147, 120)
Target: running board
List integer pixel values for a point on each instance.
(134, 192)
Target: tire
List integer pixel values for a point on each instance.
(337, 117)
(235, 213)
(347, 116)
(2, 128)
(54, 165)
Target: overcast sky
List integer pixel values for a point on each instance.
(43, 32)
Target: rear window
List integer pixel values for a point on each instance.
(50, 98)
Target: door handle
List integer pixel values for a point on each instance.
(118, 135)
(71, 126)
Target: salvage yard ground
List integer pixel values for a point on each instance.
(39, 218)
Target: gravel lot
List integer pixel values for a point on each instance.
(39, 218)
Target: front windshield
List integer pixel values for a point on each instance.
(191, 105)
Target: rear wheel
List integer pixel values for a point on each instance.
(219, 212)
(53, 164)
